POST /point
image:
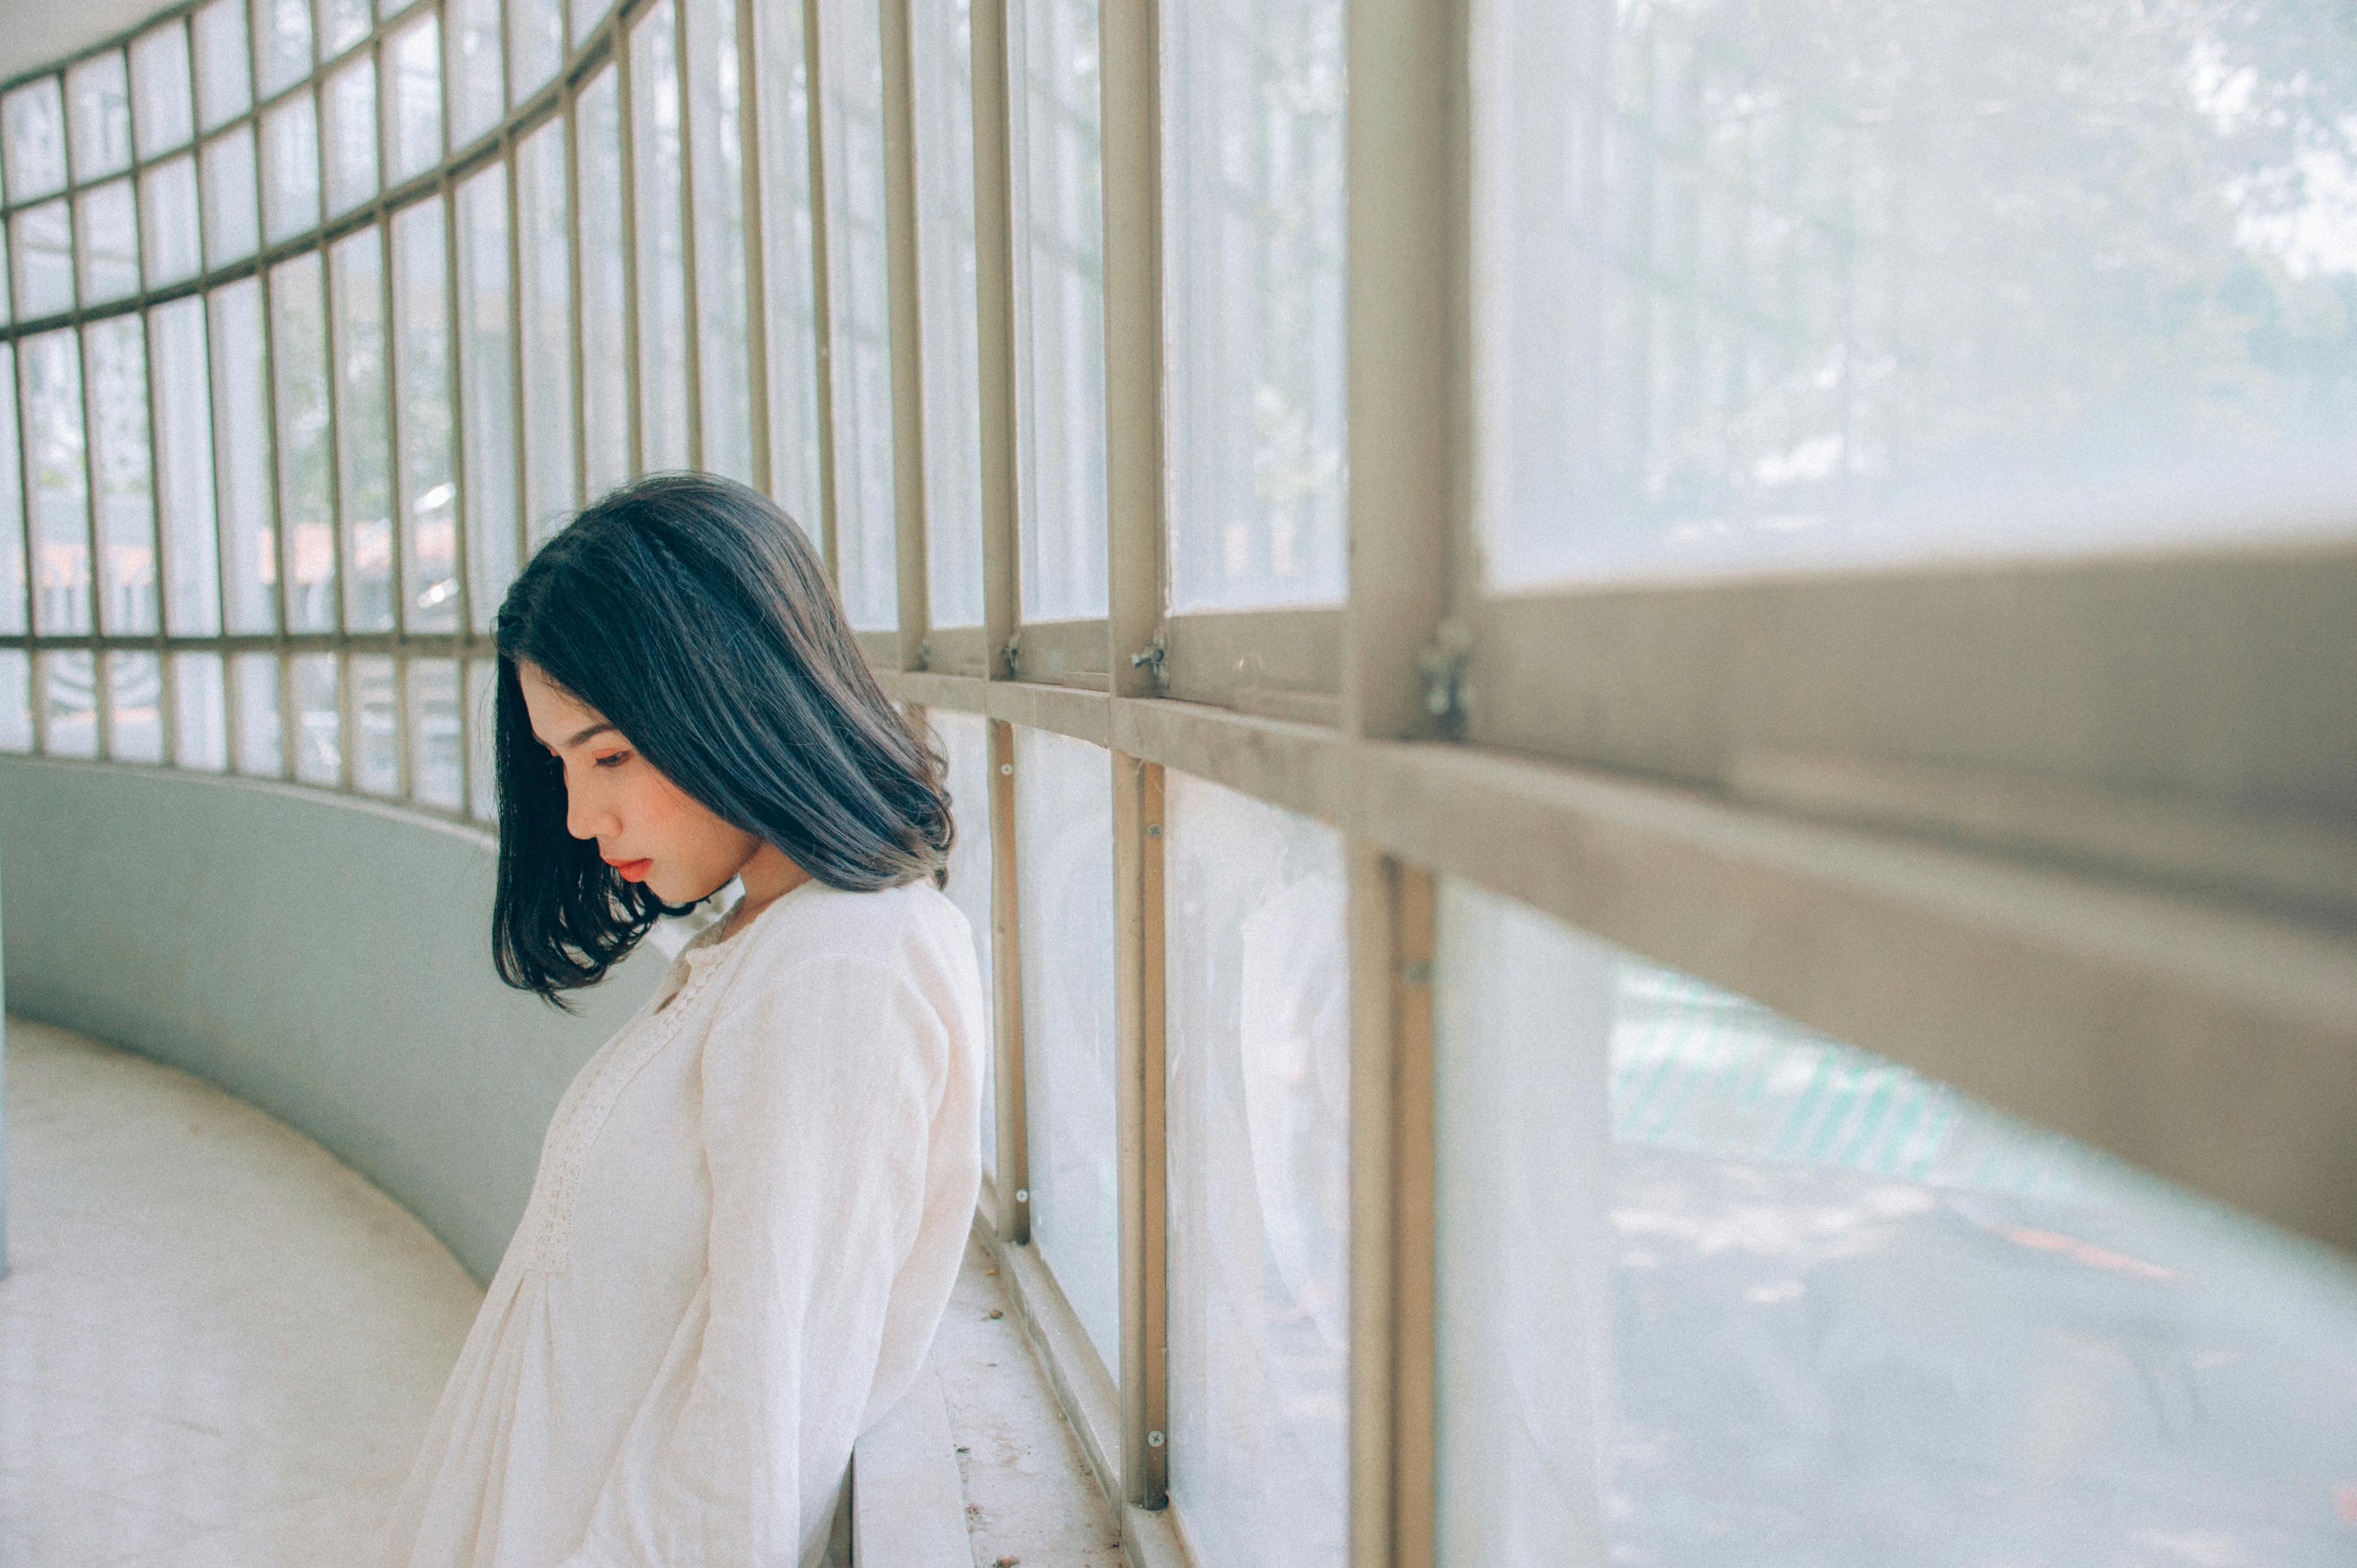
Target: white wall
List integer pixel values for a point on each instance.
(326, 958)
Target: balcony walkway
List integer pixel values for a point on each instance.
(221, 1345)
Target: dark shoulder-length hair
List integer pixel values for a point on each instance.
(695, 617)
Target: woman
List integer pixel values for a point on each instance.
(753, 1200)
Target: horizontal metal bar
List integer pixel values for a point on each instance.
(425, 644)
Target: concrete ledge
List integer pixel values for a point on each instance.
(908, 1504)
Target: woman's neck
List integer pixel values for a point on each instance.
(767, 876)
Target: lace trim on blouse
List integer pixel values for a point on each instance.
(577, 1124)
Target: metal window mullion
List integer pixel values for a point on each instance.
(691, 350)
(282, 545)
(749, 102)
(1141, 1099)
(996, 92)
(398, 519)
(574, 306)
(822, 287)
(1391, 1397)
(904, 328)
(1014, 1162)
(36, 686)
(167, 708)
(232, 731)
(102, 693)
(626, 123)
(1129, 84)
(461, 553)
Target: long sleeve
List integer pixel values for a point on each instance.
(820, 1091)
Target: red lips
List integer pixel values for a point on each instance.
(632, 870)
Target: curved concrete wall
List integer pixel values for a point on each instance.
(324, 957)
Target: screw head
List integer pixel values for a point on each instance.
(1007, 768)
(1022, 1195)
(1154, 1440)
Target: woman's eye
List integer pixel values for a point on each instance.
(613, 760)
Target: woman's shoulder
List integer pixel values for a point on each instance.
(913, 929)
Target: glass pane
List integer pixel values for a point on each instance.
(965, 743)
(1715, 1289)
(852, 85)
(116, 353)
(1063, 794)
(363, 453)
(663, 261)
(200, 712)
(478, 90)
(298, 363)
(42, 240)
(1060, 307)
(783, 126)
(33, 139)
(260, 752)
(242, 457)
(376, 751)
(69, 702)
(605, 385)
(435, 770)
(14, 613)
(1859, 296)
(233, 219)
(290, 159)
(7, 280)
(536, 44)
(342, 24)
(1252, 259)
(1259, 1054)
(487, 379)
(135, 695)
(282, 43)
(349, 101)
(415, 59)
(15, 700)
(586, 14)
(482, 801)
(184, 468)
(941, 58)
(109, 243)
(429, 486)
(168, 209)
(545, 319)
(159, 89)
(716, 140)
(57, 484)
(318, 720)
(225, 68)
(98, 96)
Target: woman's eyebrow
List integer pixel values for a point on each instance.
(597, 728)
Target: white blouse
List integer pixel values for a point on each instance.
(750, 1210)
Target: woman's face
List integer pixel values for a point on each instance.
(647, 828)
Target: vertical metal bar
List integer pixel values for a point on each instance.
(995, 84)
(1407, 330)
(231, 734)
(1141, 1097)
(691, 350)
(36, 686)
(461, 557)
(626, 118)
(1392, 1344)
(1129, 82)
(904, 286)
(167, 708)
(751, 107)
(397, 492)
(102, 693)
(282, 545)
(822, 287)
(1007, 991)
(571, 96)
(511, 257)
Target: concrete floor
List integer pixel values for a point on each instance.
(220, 1347)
